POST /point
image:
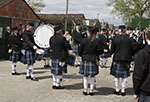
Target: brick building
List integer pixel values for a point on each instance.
(13, 13)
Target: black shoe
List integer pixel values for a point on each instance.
(85, 93)
(54, 87)
(47, 66)
(34, 79)
(28, 77)
(123, 93)
(15, 73)
(91, 93)
(117, 93)
(59, 87)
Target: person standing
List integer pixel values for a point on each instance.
(77, 37)
(105, 39)
(141, 40)
(89, 50)
(123, 47)
(15, 45)
(7, 34)
(30, 49)
(134, 37)
(141, 74)
(59, 47)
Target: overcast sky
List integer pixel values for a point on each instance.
(90, 8)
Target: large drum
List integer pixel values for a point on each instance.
(42, 35)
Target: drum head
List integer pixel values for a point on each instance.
(42, 35)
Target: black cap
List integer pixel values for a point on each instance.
(104, 29)
(92, 30)
(14, 28)
(57, 27)
(30, 24)
(129, 28)
(78, 24)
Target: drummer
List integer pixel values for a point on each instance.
(30, 49)
(60, 47)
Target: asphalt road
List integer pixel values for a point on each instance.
(19, 89)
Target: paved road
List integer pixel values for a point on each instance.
(18, 89)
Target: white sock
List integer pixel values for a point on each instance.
(31, 70)
(13, 67)
(124, 82)
(58, 80)
(85, 83)
(117, 84)
(92, 82)
(47, 61)
(54, 80)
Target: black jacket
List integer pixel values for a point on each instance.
(123, 48)
(105, 40)
(90, 50)
(28, 40)
(59, 46)
(141, 75)
(77, 36)
(140, 42)
(14, 42)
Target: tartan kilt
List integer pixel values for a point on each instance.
(88, 68)
(56, 69)
(14, 56)
(75, 48)
(120, 69)
(46, 52)
(28, 58)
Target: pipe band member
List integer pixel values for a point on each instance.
(89, 50)
(123, 47)
(77, 37)
(141, 73)
(15, 44)
(59, 47)
(30, 48)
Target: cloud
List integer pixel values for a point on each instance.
(90, 8)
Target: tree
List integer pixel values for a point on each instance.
(129, 9)
(36, 5)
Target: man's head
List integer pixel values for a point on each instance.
(14, 30)
(57, 29)
(30, 26)
(129, 30)
(104, 31)
(147, 34)
(66, 33)
(8, 29)
(77, 26)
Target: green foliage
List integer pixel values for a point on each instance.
(129, 9)
(36, 5)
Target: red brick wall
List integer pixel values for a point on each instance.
(18, 8)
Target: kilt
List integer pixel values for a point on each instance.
(120, 69)
(88, 68)
(28, 58)
(46, 52)
(75, 48)
(56, 69)
(14, 56)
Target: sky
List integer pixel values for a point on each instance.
(90, 8)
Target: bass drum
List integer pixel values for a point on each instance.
(42, 35)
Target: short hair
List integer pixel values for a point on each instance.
(148, 33)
